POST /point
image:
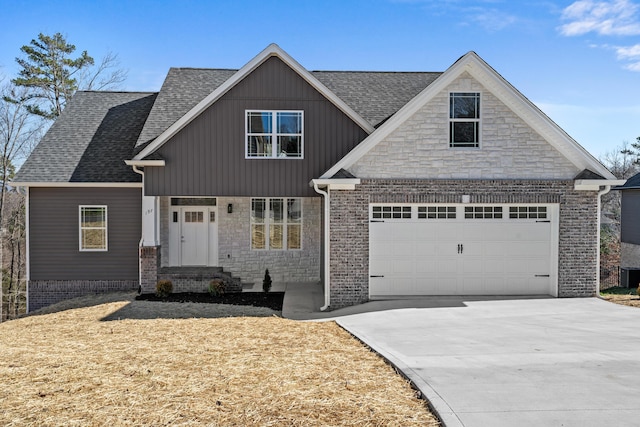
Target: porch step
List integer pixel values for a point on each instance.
(196, 279)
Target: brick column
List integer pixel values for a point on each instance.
(149, 266)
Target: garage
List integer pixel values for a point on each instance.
(462, 249)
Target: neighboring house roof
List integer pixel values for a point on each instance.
(632, 183)
(90, 140)
(505, 92)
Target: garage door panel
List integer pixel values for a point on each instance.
(479, 256)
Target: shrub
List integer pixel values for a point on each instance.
(164, 288)
(266, 282)
(638, 291)
(216, 288)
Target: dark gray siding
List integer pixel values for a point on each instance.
(53, 234)
(207, 157)
(630, 219)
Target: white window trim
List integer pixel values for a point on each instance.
(274, 135)
(478, 120)
(284, 223)
(106, 228)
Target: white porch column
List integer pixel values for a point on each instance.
(150, 221)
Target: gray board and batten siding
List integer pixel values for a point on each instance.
(53, 234)
(207, 157)
(630, 224)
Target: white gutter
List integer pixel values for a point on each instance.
(138, 171)
(27, 256)
(602, 192)
(327, 296)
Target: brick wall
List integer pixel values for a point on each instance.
(149, 265)
(46, 292)
(349, 225)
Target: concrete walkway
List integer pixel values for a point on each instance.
(511, 362)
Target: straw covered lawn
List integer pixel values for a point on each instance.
(115, 364)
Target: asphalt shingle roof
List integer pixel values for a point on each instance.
(373, 95)
(633, 182)
(90, 140)
(181, 91)
(99, 130)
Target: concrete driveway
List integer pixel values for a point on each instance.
(515, 362)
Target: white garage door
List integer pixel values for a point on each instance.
(462, 250)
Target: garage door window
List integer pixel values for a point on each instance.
(527, 212)
(388, 212)
(436, 212)
(483, 212)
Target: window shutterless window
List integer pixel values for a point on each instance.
(93, 228)
(464, 119)
(274, 134)
(276, 224)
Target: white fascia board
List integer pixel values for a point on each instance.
(595, 184)
(143, 163)
(78, 184)
(271, 50)
(336, 183)
(503, 90)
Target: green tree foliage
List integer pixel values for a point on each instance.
(50, 72)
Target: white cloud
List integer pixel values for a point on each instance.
(616, 17)
(628, 52)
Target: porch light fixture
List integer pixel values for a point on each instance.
(230, 208)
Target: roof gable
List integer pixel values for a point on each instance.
(504, 91)
(271, 51)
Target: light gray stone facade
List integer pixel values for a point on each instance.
(349, 226)
(236, 256)
(234, 246)
(509, 148)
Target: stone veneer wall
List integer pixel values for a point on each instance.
(419, 147)
(236, 256)
(349, 225)
(43, 293)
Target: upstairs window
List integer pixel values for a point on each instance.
(274, 134)
(93, 228)
(464, 119)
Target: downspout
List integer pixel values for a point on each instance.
(601, 193)
(138, 171)
(327, 296)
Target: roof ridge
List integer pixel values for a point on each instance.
(377, 72)
(116, 91)
(203, 68)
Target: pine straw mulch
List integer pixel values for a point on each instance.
(630, 300)
(123, 363)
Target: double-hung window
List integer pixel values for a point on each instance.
(274, 134)
(93, 228)
(276, 224)
(464, 119)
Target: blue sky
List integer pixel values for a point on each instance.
(579, 61)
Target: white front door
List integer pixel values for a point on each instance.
(193, 236)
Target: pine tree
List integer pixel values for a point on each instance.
(50, 73)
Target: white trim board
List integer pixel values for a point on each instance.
(500, 88)
(78, 184)
(271, 50)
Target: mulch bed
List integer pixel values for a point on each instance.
(272, 300)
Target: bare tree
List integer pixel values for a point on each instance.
(103, 76)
